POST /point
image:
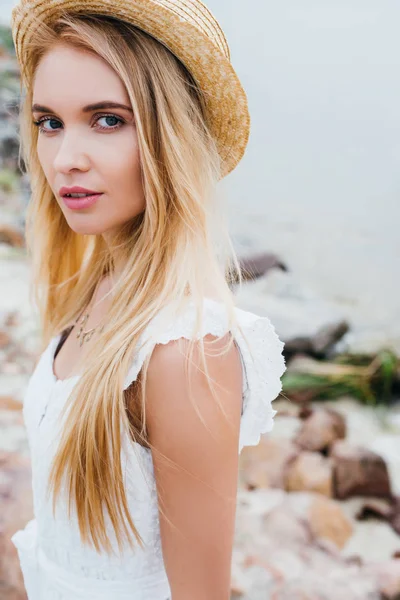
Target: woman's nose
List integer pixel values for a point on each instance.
(71, 155)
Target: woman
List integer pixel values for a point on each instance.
(151, 380)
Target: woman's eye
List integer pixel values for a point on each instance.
(53, 123)
(111, 122)
(103, 123)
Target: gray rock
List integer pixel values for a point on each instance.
(304, 321)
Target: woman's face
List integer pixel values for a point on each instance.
(92, 147)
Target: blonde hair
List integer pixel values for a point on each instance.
(175, 251)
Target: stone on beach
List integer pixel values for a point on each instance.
(311, 472)
(359, 472)
(321, 429)
(265, 465)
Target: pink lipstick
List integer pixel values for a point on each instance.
(77, 197)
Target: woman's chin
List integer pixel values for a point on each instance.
(86, 228)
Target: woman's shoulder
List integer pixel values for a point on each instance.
(260, 347)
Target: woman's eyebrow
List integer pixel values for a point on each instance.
(89, 108)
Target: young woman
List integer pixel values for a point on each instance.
(151, 380)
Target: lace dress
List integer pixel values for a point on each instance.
(54, 563)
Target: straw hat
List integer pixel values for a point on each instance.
(192, 34)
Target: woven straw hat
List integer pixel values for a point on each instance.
(190, 32)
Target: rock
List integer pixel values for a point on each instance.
(321, 429)
(310, 472)
(265, 465)
(259, 264)
(386, 445)
(326, 337)
(321, 342)
(324, 518)
(304, 321)
(328, 521)
(375, 509)
(385, 539)
(358, 472)
(305, 412)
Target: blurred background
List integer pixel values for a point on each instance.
(314, 214)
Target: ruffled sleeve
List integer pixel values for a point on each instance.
(261, 353)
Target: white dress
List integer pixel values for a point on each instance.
(54, 563)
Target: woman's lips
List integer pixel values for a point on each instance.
(79, 203)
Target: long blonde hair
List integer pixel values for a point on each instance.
(175, 251)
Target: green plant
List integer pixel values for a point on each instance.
(369, 379)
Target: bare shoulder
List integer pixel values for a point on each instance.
(195, 463)
(169, 396)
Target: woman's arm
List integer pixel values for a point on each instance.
(198, 495)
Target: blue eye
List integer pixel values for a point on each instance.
(114, 120)
(51, 121)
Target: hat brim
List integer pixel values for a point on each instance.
(225, 99)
